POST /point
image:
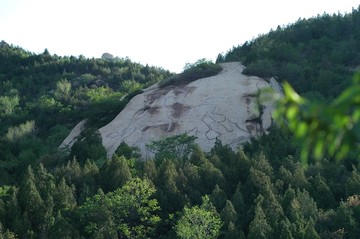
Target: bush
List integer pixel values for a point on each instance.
(200, 69)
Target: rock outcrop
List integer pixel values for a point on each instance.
(224, 106)
(73, 136)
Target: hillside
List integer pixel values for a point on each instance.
(225, 106)
(258, 190)
(317, 56)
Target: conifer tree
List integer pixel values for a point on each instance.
(218, 198)
(64, 197)
(352, 185)
(310, 232)
(115, 173)
(259, 227)
(285, 232)
(240, 207)
(228, 214)
(150, 170)
(170, 197)
(233, 232)
(32, 203)
(44, 181)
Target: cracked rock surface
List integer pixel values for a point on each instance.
(223, 106)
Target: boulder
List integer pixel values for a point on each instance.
(107, 56)
(225, 106)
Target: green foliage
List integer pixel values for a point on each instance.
(63, 89)
(127, 151)
(7, 234)
(199, 222)
(17, 132)
(174, 147)
(332, 128)
(259, 190)
(114, 173)
(128, 212)
(54, 93)
(131, 86)
(312, 54)
(259, 227)
(200, 69)
(8, 104)
(89, 146)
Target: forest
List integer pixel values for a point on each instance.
(264, 189)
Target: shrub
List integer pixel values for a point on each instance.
(200, 69)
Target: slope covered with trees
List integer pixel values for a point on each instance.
(316, 56)
(43, 96)
(261, 190)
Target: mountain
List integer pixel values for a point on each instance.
(225, 106)
(259, 190)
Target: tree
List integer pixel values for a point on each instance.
(89, 147)
(63, 228)
(233, 232)
(322, 193)
(149, 170)
(218, 198)
(37, 210)
(63, 89)
(352, 185)
(260, 227)
(128, 212)
(127, 151)
(44, 181)
(333, 128)
(114, 173)
(228, 214)
(174, 147)
(285, 232)
(170, 197)
(7, 234)
(64, 196)
(310, 232)
(238, 202)
(8, 104)
(199, 222)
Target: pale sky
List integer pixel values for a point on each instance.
(163, 33)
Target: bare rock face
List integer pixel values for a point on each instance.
(107, 56)
(225, 106)
(73, 136)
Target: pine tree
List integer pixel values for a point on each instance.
(44, 181)
(63, 228)
(14, 218)
(228, 214)
(259, 227)
(31, 201)
(240, 207)
(352, 185)
(218, 198)
(193, 187)
(170, 197)
(7, 234)
(149, 170)
(310, 232)
(64, 197)
(322, 193)
(232, 232)
(285, 232)
(115, 173)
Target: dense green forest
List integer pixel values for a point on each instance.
(261, 190)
